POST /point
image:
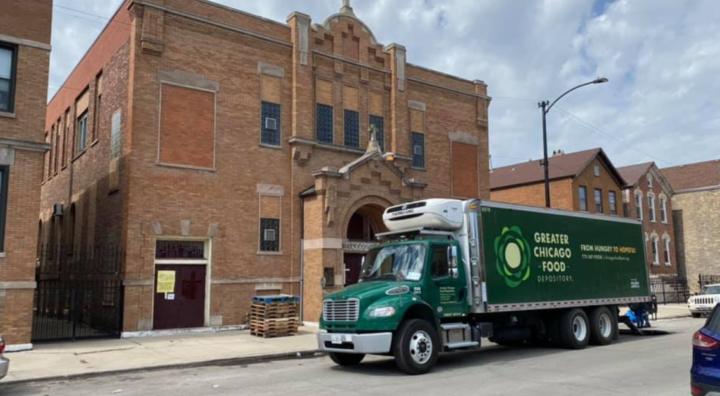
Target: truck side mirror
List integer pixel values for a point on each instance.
(453, 261)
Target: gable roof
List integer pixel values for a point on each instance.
(561, 167)
(694, 176)
(633, 173)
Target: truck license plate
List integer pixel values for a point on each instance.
(336, 339)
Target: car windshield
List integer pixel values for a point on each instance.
(394, 262)
(711, 290)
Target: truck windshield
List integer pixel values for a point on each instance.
(394, 262)
(711, 290)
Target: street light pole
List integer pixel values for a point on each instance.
(546, 106)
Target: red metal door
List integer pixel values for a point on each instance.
(185, 307)
(353, 263)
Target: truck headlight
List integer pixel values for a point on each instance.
(383, 312)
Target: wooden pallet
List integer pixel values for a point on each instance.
(272, 334)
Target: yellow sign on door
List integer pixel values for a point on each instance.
(166, 282)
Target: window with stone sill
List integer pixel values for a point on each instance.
(352, 128)
(598, 201)
(324, 121)
(8, 62)
(651, 208)
(656, 259)
(82, 132)
(667, 251)
(613, 202)
(418, 150)
(269, 235)
(270, 124)
(582, 194)
(663, 210)
(638, 206)
(4, 171)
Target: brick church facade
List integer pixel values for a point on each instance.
(233, 154)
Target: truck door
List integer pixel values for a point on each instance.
(447, 290)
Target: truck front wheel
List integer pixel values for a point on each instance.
(602, 326)
(574, 329)
(416, 347)
(346, 359)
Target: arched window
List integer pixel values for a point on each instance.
(667, 251)
(639, 205)
(655, 252)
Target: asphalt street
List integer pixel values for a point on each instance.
(652, 365)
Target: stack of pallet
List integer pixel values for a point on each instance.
(274, 316)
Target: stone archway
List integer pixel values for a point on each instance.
(362, 223)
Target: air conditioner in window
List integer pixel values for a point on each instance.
(269, 235)
(58, 210)
(271, 123)
(417, 150)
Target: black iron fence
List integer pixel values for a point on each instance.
(79, 294)
(670, 290)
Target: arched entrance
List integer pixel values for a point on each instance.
(360, 233)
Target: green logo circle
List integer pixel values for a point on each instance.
(512, 256)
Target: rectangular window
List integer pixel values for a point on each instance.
(352, 128)
(598, 201)
(269, 235)
(98, 107)
(651, 208)
(324, 122)
(582, 193)
(667, 251)
(663, 210)
(638, 206)
(4, 171)
(379, 124)
(440, 266)
(7, 77)
(66, 136)
(597, 170)
(180, 250)
(270, 124)
(81, 131)
(115, 124)
(613, 202)
(418, 150)
(656, 260)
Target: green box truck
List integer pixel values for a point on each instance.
(451, 273)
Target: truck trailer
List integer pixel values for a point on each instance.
(451, 273)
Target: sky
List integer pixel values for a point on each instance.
(662, 59)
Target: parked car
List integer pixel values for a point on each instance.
(4, 363)
(705, 371)
(704, 303)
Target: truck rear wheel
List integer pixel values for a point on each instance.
(574, 329)
(346, 359)
(416, 347)
(602, 326)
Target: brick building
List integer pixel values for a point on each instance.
(24, 63)
(648, 197)
(696, 215)
(580, 181)
(229, 154)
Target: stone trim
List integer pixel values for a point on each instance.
(447, 88)
(214, 23)
(7, 156)
(25, 145)
(236, 281)
(323, 243)
(352, 62)
(415, 105)
(464, 137)
(17, 285)
(6, 114)
(25, 42)
(188, 80)
(270, 189)
(271, 70)
(477, 82)
(19, 347)
(324, 146)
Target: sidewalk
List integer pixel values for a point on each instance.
(672, 311)
(94, 357)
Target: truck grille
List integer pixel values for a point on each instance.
(341, 311)
(704, 300)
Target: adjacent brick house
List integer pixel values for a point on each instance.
(230, 154)
(648, 197)
(696, 215)
(24, 62)
(581, 181)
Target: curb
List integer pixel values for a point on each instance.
(309, 354)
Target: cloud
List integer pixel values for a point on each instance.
(662, 58)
